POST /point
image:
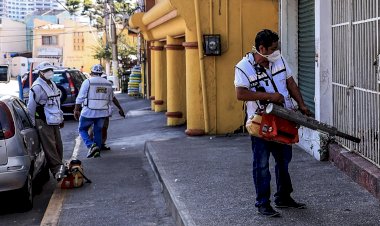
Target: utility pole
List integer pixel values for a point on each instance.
(115, 60)
(106, 22)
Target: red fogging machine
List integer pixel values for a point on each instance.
(281, 125)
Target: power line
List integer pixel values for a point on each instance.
(26, 35)
(18, 29)
(64, 6)
(65, 33)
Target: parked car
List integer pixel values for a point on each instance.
(22, 160)
(67, 80)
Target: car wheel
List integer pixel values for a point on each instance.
(26, 194)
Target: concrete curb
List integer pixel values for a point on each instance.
(178, 209)
(360, 170)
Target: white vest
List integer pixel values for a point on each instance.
(52, 107)
(273, 82)
(99, 93)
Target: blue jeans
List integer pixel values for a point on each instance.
(85, 124)
(282, 154)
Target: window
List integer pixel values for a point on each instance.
(22, 118)
(49, 40)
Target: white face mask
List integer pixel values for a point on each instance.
(271, 57)
(48, 75)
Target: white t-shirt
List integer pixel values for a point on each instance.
(251, 76)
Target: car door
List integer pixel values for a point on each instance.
(28, 133)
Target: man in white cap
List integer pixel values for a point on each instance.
(44, 107)
(95, 96)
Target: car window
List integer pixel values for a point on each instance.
(84, 77)
(77, 78)
(59, 78)
(23, 121)
(6, 121)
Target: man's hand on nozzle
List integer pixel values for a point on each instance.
(277, 98)
(304, 110)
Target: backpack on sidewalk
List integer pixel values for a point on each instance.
(75, 177)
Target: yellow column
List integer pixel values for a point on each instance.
(195, 119)
(176, 82)
(160, 78)
(152, 76)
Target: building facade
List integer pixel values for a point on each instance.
(12, 39)
(188, 85)
(70, 42)
(51, 15)
(18, 9)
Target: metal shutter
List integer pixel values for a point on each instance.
(306, 51)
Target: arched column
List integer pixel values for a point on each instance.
(160, 77)
(195, 118)
(176, 82)
(152, 76)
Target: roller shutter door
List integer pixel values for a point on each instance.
(306, 51)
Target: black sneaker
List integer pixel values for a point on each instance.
(289, 203)
(268, 211)
(105, 147)
(93, 151)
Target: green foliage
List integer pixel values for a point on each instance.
(125, 51)
(96, 12)
(87, 5)
(73, 6)
(102, 51)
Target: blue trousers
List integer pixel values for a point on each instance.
(85, 124)
(282, 154)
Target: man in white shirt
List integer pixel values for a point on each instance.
(263, 76)
(92, 108)
(44, 109)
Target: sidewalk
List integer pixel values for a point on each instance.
(204, 180)
(207, 181)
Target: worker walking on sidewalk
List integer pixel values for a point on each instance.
(44, 107)
(115, 101)
(92, 107)
(262, 77)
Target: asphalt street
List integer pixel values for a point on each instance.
(124, 190)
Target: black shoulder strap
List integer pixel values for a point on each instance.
(282, 70)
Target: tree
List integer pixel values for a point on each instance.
(96, 12)
(73, 6)
(126, 51)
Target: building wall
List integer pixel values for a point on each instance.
(45, 28)
(75, 41)
(12, 38)
(79, 54)
(237, 22)
(310, 140)
(18, 9)
(29, 20)
(237, 40)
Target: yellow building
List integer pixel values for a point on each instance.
(190, 86)
(71, 43)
